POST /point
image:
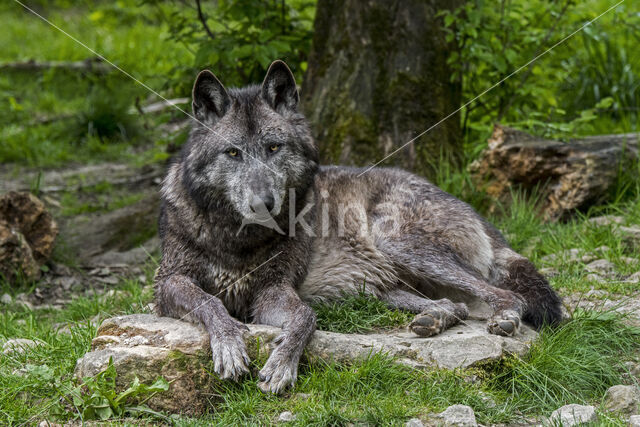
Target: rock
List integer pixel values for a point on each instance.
(16, 256)
(572, 175)
(630, 236)
(634, 421)
(27, 234)
(28, 215)
(633, 367)
(116, 236)
(414, 422)
(149, 346)
(19, 345)
(6, 299)
(605, 220)
(622, 398)
(569, 256)
(601, 266)
(286, 417)
(634, 278)
(570, 415)
(549, 272)
(595, 278)
(596, 293)
(458, 415)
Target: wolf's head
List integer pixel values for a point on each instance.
(249, 145)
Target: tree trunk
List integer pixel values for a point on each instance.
(566, 175)
(377, 77)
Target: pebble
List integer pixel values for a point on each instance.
(458, 415)
(286, 417)
(570, 415)
(19, 345)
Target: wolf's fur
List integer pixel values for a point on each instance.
(395, 232)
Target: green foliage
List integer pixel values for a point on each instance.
(606, 66)
(574, 89)
(238, 39)
(96, 397)
(107, 113)
(358, 314)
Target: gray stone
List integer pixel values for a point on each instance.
(634, 278)
(19, 345)
(607, 220)
(458, 415)
(630, 236)
(414, 422)
(148, 346)
(601, 266)
(634, 421)
(286, 417)
(570, 415)
(592, 277)
(6, 299)
(622, 398)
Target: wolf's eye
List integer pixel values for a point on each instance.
(232, 152)
(274, 147)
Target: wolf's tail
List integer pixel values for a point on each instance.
(543, 304)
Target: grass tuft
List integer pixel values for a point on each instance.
(359, 313)
(574, 363)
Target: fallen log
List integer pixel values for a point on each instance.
(568, 176)
(89, 65)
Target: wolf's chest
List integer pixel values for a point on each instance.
(233, 288)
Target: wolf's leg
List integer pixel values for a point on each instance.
(432, 317)
(179, 297)
(439, 265)
(281, 306)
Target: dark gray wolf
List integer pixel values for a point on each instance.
(330, 230)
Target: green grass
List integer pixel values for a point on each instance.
(93, 122)
(102, 197)
(32, 384)
(572, 364)
(359, 314)
(575, 363)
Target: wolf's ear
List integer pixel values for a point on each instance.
(279, 87)
(210, 99)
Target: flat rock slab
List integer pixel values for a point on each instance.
(148, 346)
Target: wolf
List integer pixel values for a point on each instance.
(333, 231)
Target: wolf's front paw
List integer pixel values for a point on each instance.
(505, 323)
(278, 373)
(230, 359)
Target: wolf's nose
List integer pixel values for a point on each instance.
(266, 200)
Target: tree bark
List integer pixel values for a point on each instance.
(567, 176)
(377, 77)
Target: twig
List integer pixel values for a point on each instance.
(203, 20)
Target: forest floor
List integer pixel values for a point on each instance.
(104, 193)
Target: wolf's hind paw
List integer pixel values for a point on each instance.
(433, 321)
(505, 323)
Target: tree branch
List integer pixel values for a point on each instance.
(203, 20)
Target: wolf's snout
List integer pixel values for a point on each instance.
(265, 200)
